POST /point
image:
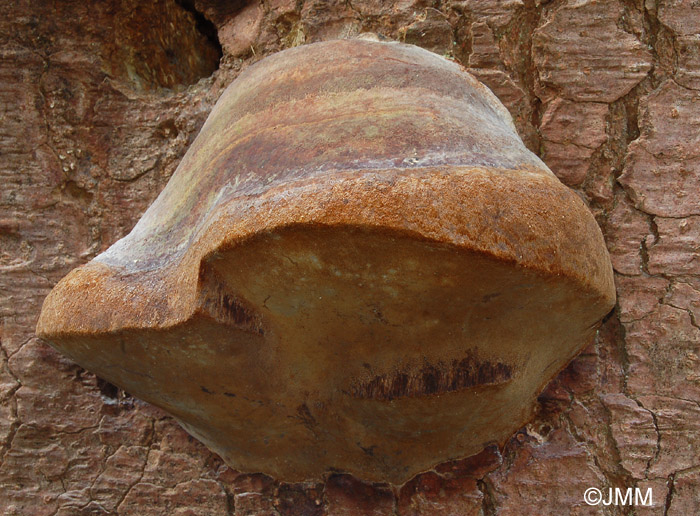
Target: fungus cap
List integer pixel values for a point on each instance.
(357, 266)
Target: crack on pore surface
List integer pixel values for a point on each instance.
(216, 301)
(430, 379)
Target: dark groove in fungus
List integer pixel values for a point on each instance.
(434, 379)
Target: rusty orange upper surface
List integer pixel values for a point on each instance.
(344, 132)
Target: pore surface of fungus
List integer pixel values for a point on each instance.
(357, 267)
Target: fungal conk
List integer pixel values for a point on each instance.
(357, 266)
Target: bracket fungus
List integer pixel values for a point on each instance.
(357, 266)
